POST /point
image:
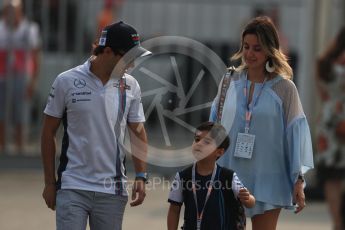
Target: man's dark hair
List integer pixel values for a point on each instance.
(216, 132)
(99, 49)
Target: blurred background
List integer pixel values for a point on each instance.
(60, 34)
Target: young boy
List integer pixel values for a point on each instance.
(208, 191)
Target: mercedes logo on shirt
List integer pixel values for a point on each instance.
(79, 83)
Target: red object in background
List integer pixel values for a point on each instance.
(20, 64)
(339, 107)
(3, 63)
(322, 143)
(340, 131)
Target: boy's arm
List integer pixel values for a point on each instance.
(173, 216)
(240, 191)
(176, 201)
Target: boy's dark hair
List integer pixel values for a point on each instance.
(216, 132)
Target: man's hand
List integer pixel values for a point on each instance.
(298, 196)
(138, 192)
(49, 195)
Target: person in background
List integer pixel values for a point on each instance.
(107, 15)
(259, 106)
(96, 102)
(19, 66)
(330, 157)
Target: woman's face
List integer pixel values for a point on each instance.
(253, 53)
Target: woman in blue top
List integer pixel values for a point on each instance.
(261, 110)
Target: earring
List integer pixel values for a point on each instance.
(269, 66)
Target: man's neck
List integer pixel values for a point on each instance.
(99, 70)
(205, 167)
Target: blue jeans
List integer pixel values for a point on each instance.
(74, 207)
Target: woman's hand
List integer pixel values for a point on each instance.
(298, 195)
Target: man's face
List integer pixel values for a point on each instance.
(120, 65)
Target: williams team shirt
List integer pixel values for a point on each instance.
(94, 118)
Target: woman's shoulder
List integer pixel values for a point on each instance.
(234, 74)
(283, 85)
(283, 90)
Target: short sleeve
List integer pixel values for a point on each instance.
(175, 194)
(236, 184)
(299, 148)
(297, 134)
(136, 111)
(56, 100)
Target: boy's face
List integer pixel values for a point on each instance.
(205, 146)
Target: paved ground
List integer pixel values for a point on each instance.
(21, 207)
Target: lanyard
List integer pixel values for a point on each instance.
(122, 88)
(249, 109)
(118, 131)
(209, 190)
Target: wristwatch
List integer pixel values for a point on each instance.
(141, 176)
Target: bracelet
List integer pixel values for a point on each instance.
(141, 176)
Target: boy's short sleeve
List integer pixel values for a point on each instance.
(176, 195)
(236, 184)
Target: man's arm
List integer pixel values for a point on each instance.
(48, 148)
(138, 139)
(173, 216)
